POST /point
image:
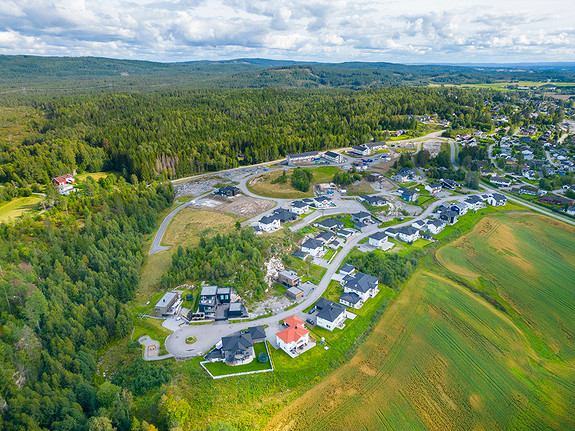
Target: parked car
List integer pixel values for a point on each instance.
(310, 321)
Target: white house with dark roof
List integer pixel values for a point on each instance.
(269, 224)
(347, 269)
(474, 202)
(374, 201)
(333, 157)
(433, 188)
(499, 181)
(460, 208)
(380, 240)
(361, 150)
(331, 315)
(323, 202)
(299, 207)
(435, 226)
(352, 300)
(312, 246)
(330, 224)
(326, 237)
(497, 200)
(302, 157)
(366, 286)
(362, 217)
(408, 234)
(391, 232)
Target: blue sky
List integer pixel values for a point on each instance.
(412, 31)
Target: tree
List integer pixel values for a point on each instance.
(100, 424)
(472, 179)
(238, 225)
(36, 307)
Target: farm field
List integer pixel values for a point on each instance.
(18, 206)
(443, 357)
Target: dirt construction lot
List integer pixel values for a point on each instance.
(243, 206)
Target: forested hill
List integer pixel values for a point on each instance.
(39, 75)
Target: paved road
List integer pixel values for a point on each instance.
(454, 151)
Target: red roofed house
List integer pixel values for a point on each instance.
(63, 179)
(294, 339)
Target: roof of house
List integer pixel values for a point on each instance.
(435, 185)
(322, 303)
(359, 225)
(292, 275)
(325, 236)
(408, 192)
(360, 147)
(331, 311)
(293, 321)
(331, 154)
(322, 199)
(347, 268)
(378, 236)
(391, 231)
(268, 219)
(291, 334)
(301, 254)
(294, 290)
(312, 244)
(362, 215)
(306, 154)
(237, 342)
(427, 236)
(257, 332)
(408, 230)
(498, 197)
(209, 290)
(236, 306)
(167, 298)
(299, 204)
(352, 298)
(224, 290)
(449, 213)
(361, 282)
(436, 222)
(331, 223)
(473, 199)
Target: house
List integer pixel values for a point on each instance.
(497, 200)
(352, 300)
(376, 146)
(333, 157)
(570, 210)
(362, 217)
(63, 179)
(419, 224)
(330, 224)
(208, 301)
(379, 240)
(284, 215)
(359, 225)
(408, 234)
(499, 181)
(228, 191)
(288, 278)
(347, 269)
(301, 157)
(326, 237)
(475, 202)
(269, 224)
(435, 226)
(294, 337)
(223, 295)
(258, 333)
(322, 202)
(374, 201)
(169, 305)
(528, 190)
(299, 207)
(373, 177)
(406, 174)
(448, 184)
(361, 150)
(460, 208)
(408, 195)
(433, 188)
(236, 309)
(65, 189)
(345, 233)
(449, 216)
(313, 247)
(331, 315)
(237, 349)
(391, 232)
(366, 286)
(556, 200)
(294, 292)
(300, 254)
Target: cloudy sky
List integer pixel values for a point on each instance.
(409, 31)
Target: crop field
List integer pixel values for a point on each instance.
(443, 357)
(18, 206)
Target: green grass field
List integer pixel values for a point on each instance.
(262, 185)
(18, 206)
(443, 357)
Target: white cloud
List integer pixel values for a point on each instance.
(320, 30)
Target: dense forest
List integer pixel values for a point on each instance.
(66, 276)
(178, 133)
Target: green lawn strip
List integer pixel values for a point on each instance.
(221, 368)
(329, 254)
(307, 270)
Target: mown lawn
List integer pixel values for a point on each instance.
(222, 369)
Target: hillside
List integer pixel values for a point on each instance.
(34, 75)
(444, 358)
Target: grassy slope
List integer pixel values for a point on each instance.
(443, 358)
(264, 186)
(18, 206)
